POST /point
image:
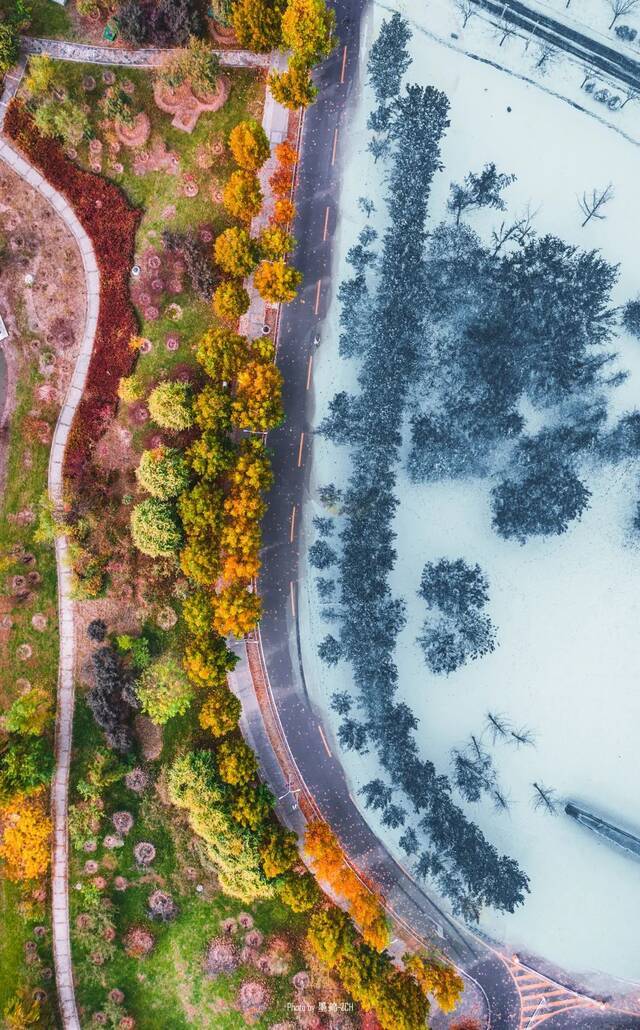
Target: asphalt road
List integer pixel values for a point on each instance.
(624, 69)
(325, 130)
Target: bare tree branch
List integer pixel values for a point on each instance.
(620, 7)
(467, 9)
(544, 798)
(591, 206)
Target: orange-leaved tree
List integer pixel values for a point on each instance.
(25, 837)
(230, 300)
(258, 402)
(236, 611)
(249, 145)
(277, 282)
(235, 252)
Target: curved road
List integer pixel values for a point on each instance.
(325, 127)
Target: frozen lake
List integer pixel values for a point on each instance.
(567, 608)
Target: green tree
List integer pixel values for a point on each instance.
(164, 690)
(26, 763)
(235, 252)
(230, 300)
(30, 713)
(163, 472)
(249, 145)
(41, 75)
(279, 852)
(154, 528)
(196, 63)
(171, 407)
(299, 893)
(330, 935)
(294, 87)
(237, 763)
(9, 47)
(212, 409)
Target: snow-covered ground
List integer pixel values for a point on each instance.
(567, 609)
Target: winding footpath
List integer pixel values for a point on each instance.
(65, 693)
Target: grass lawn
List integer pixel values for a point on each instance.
(47, 18)
(167, 988)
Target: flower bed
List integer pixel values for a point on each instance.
(111, 224)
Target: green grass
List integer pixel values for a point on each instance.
(12, 941)
(47, 18)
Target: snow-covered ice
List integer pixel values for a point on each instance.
(566, 609)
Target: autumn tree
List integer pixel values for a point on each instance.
(200, 510)
(279, 852)
(251, 806)
(170, 406)
(211, 455)
(275, 243)
(258, 403)
(258, 24)
(235, 252)
(284, 212)
(277, 282)
(286, 154)
(294, 87)
(164, 690)
(249, 145)
(308, 29)
(222, 353)
(212, 409)
(220, 712)
(30, 713)
(300, 893)
(163, 472)
(154, 528)
(330, 934)
(25, 845)
(130, 389)
(236, 611)
(437, 977)
(237, 764)
(231, 300)
(242, 196)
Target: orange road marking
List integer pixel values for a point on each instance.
(316, 308)
(335, 144)
(300, 449)
(344, 65)
(325, 231)
(293, 523)
(293, 599)
(324, 741)
(310, 366)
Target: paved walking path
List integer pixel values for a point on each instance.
(65, 698)
(142, 58)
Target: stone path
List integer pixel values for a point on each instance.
(144, 58)
(65, 698)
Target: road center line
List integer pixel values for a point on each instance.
(325, 231)
(335, 144)
(344, 65)
(300, 449)
(292, 595)
(324, 741)
(309, 367)
(316, 307)
(293, 523)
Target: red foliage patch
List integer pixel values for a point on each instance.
(111, 224)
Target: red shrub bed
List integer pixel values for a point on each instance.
(110, 223)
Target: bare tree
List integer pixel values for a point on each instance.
(505, 31)
(518, 231)
(500, 800)
(544, 798)
(523, 737)
(591, 207)
(620, 7)
(588, 72)
(498, 726)
(545, 53)
(631, 94)
(467, 9)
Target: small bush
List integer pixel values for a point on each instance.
(154, 528)
(170, 406)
